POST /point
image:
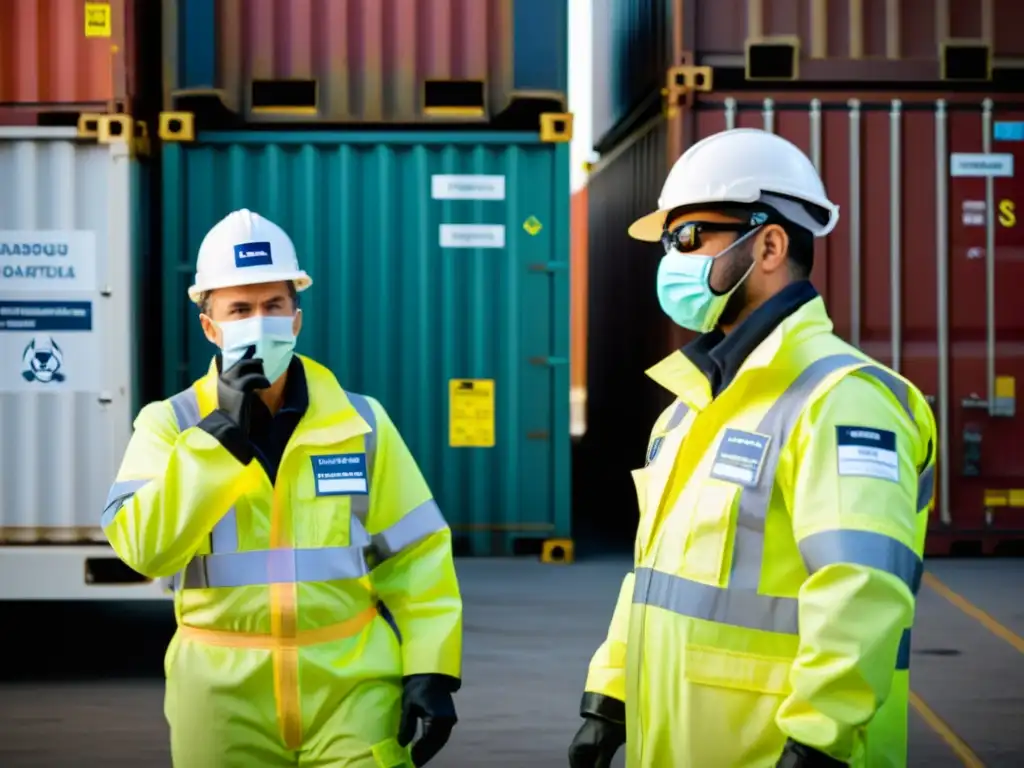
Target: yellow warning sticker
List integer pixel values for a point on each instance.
(97, 20)
(471, 413)
(532, 225)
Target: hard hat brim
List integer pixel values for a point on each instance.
(649, 228)
(301, 280)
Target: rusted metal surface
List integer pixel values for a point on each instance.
(374, 61)
(48, 63)
(905, 272)
(858, 39)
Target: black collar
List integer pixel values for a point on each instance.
(719, 356)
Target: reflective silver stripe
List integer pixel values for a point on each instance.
(361, 502)
(903, 655)
(186, 409)
(734, 607)
(415, 526)
(925, 487)
(118, 495)
(677, 416)
(777, 423)
(273, 566)
(224, 536)
(874, 550)
(289, 566)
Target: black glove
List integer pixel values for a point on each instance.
(602, 733)
(427, 699)
(801, 756)
(236, 392)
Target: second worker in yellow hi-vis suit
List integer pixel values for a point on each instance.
(783, 506)
(319, 617)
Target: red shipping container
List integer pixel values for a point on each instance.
(65, 56)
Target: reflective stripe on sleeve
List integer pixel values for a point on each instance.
(872, 550)
(290, 566)
(119, 493)
(415, 526)
(186, 409)
(925, 487)
(677, 416)
(733, 607)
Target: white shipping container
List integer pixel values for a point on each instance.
(66, 364)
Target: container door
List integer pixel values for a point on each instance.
(66, 325)
(440, 288)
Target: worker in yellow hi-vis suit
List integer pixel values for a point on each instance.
(783, 505)
(319, 617)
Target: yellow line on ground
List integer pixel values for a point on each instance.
(937, 724)
(975, 613)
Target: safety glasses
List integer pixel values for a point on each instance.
(687, 237)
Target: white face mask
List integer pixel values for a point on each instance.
(271, 337)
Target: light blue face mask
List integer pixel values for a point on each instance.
(684, 288)
(272, 338)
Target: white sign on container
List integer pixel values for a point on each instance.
(973, 213)
(472, 236)
(47, 260)
(981, 164)
(471, 187)
(49, 345)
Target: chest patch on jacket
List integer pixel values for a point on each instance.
(340, 473)
(866, 452)
(740, 457)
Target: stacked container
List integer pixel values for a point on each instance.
(415, 151)
(893, 106)
(73, 226)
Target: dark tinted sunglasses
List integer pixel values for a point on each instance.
(686, 237)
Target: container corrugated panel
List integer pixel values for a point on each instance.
(857, 40)
(66, 330)
(54, 58)
(905, 273)
(371, 61)
(632, 50)
(626, 329)
(397, 316)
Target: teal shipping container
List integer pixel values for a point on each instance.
(441, 288)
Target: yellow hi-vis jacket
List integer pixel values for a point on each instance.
(777, 560)
(278, 587)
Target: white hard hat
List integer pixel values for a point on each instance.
(244, 248)
(744, 165)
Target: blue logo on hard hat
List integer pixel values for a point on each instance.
(252, 255)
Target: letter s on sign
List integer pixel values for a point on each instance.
(1007, 213)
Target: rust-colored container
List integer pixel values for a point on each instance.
(367, 61)
(65, 56)
(848, 40)
(920, 275)
(579, 252)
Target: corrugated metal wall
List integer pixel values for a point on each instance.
(371, 60)
(67, 326)
(50, 55)
(627, 333)
(632, 51)
(396, 315)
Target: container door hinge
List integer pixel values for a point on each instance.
(556, 127)
(177, 126)
(549, 266)
(549, 361)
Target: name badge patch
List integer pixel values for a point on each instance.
(740, 457)
(340, 474)
(864, 452)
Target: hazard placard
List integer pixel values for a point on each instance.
(471, 413)
(97, 20)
